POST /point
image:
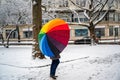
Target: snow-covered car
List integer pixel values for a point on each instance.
(85, 40)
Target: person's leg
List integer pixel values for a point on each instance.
(54, 66)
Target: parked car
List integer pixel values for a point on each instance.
(85, 40)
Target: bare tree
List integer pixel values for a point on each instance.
(16, 13)
(1, 32)
(92, 11)
(3, 22)
(12, 31)
(37, 25)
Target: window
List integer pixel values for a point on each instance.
(13, 34)
(106, 17)
(76, 19)
(66, 3)
(119, 17)
(100, 32)
(82, 19)
(45, 21)
(111, 31)
(42, 21)
(27, 34)
(116, 31)
(81, 32)
(68, 20)
(111, 16)
(1, 37)
(85, 19)
(63, 3)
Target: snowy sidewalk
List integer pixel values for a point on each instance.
(78, 62)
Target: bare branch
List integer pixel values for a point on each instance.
(98, 4)
(44, 7)
(99, 20)
(100, 8)
(84, 8)
(76, 14)
(110, 6)
(97, 12)
(49, 14)
(86, 15)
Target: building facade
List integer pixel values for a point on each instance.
(109, 28)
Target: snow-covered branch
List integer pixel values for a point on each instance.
(86, 15)
(79, 6)
(101, 18)
(79, 22)
(97, 12)
(97, 5)
(44, 7)
(16, 11)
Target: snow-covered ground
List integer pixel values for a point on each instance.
(78, 62)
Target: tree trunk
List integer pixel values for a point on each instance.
(1, 35)
(17, 29)
(92, 34)
(37, 24)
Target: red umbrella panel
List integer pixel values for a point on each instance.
(54, 37)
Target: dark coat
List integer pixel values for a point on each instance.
(55, 57)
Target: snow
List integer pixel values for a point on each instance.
(78, 62)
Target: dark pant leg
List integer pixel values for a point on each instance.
(54, 66)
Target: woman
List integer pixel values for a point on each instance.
(54, 65)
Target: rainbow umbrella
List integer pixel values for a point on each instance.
(54, 37)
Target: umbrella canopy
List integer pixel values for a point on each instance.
(54, 37)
